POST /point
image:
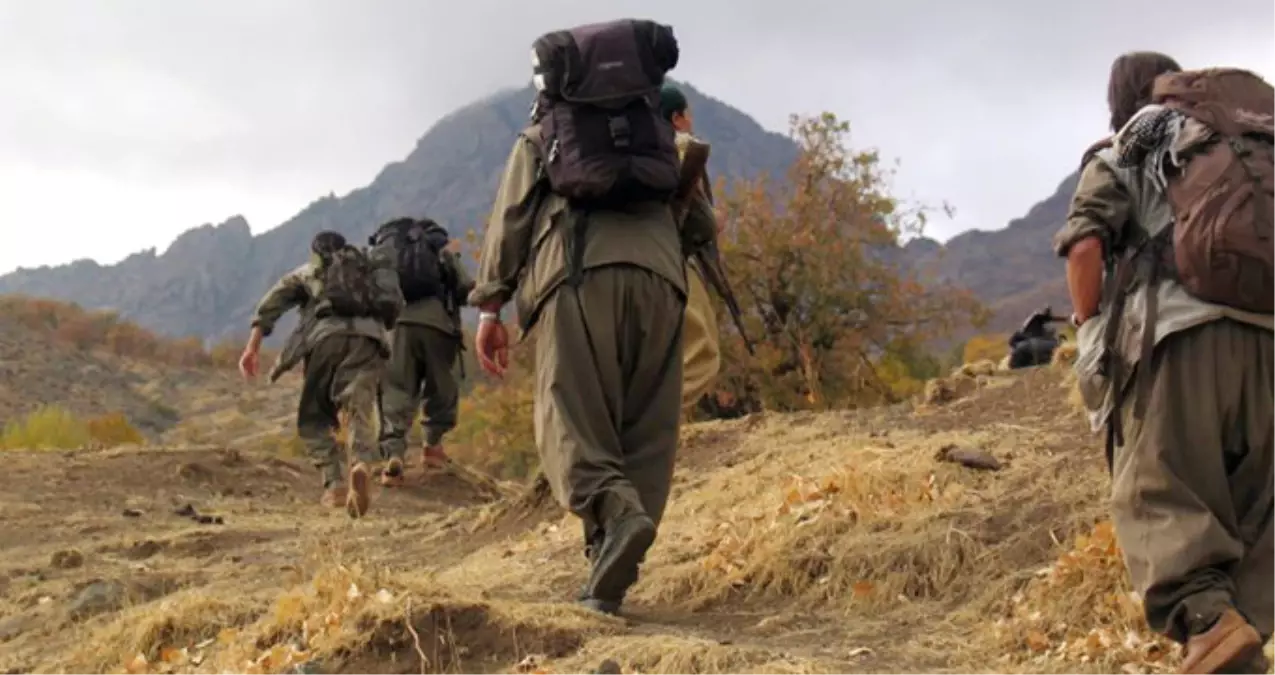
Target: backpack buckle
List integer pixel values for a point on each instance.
(620, 131)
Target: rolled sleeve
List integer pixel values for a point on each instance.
(1100, 208)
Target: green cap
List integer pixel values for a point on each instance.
(672, 100)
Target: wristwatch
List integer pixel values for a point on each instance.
(486, 317)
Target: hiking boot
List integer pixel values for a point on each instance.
(1229, 645)
(359, 496)
(392, 474)
(333, 496)
(615, 566)
(433, 456)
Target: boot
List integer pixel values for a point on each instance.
(359, 497)
(392, 474)
(615, 567)
(1229, 645)
(433, 456)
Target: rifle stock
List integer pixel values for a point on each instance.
(694, 167)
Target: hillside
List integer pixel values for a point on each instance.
(1013, 270)
(208, 281)
(801, 543)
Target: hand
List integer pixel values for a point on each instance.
(492, 344)
(249, 362)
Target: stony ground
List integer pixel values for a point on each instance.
(837, 542)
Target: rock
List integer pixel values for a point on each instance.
(193, 471)
(947, 389)
(97, 598)
(13, 626)
(67, 560)
(143, 550)
(131, 513)
(973, 459)
(608, 667)
(984, 367)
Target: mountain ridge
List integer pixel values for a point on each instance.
(207, 282)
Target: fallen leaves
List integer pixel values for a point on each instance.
(1088, 581)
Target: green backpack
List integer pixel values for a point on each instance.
(347, 278)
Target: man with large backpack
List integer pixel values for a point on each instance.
(347, 299)
(426, 341)
(582, 239)
(1175, 348)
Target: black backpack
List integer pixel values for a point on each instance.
(602, 137)
(417, 246)
(348, 280)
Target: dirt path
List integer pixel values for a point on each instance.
(895, 562)
(73, 520)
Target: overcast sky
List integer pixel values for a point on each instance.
(125, 122)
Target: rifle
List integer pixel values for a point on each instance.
(706, 253)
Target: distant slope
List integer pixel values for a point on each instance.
(1013, 270)
(207, 283)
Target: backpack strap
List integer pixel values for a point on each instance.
(1122, 274)
(1143, 260)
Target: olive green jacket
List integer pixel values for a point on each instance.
(300, 289)
(524, 252)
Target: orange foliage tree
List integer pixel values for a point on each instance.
(815, 265)
(91, 329)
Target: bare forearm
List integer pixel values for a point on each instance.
(254, 339)
(1084, 277)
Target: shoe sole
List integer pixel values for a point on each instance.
(625, 562)
(1237, 661)
(359, 498)
(392, 479)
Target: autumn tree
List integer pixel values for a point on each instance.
(815, 262)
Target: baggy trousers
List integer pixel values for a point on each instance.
(1192, 486)
(609, 393)
(341, 373)
(420, 370)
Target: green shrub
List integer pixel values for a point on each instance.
(46, 428)
(52, 427)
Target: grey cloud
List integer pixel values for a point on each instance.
(987, 104)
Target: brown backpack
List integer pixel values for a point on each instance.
(1222, 199)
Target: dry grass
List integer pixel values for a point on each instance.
(799, 543)
(892, 523)
(343, 618)
(169, 635)
(964, 381)
(1065, 354)
(678, 654)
